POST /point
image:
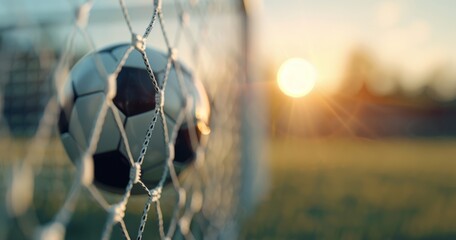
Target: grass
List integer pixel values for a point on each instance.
(358, 189)
(319, 189)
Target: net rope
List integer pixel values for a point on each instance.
(206, 198)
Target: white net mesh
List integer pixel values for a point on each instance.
(47, 198)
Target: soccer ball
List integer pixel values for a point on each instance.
(85, 92)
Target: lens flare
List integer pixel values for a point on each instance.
(296, 77)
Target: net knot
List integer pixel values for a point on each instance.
(117, 212)
(156, 194)
(173, 53)
(82, 14)
(112, 87)
(54, 230)
(158, 4)
(171, 151)
(184, 18)
(135, 172)
(86, 170)
(138, 42)
(160, 98)
(184, 224)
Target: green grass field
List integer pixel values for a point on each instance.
(319, 189)
(358, 189)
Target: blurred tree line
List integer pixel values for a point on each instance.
(372, 102)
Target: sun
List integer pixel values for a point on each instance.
(296, 77)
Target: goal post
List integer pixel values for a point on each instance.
(46, 196)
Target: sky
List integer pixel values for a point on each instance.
(411, 36)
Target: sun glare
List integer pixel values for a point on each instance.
(296, 77)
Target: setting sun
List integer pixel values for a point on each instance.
(296, 77)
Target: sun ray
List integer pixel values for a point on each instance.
(336, 115)
(351, 116)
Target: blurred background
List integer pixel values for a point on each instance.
(362, 126)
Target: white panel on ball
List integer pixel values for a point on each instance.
(136, 127)
(86, 82)
(151, 166)
(174, 99)
(110, 134)
(83, 115)
(71, 146)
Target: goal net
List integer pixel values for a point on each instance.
(48, 196)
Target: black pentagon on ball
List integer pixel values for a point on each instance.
(184, 152)
(63, 123)
(135, 92)
(111, 169)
